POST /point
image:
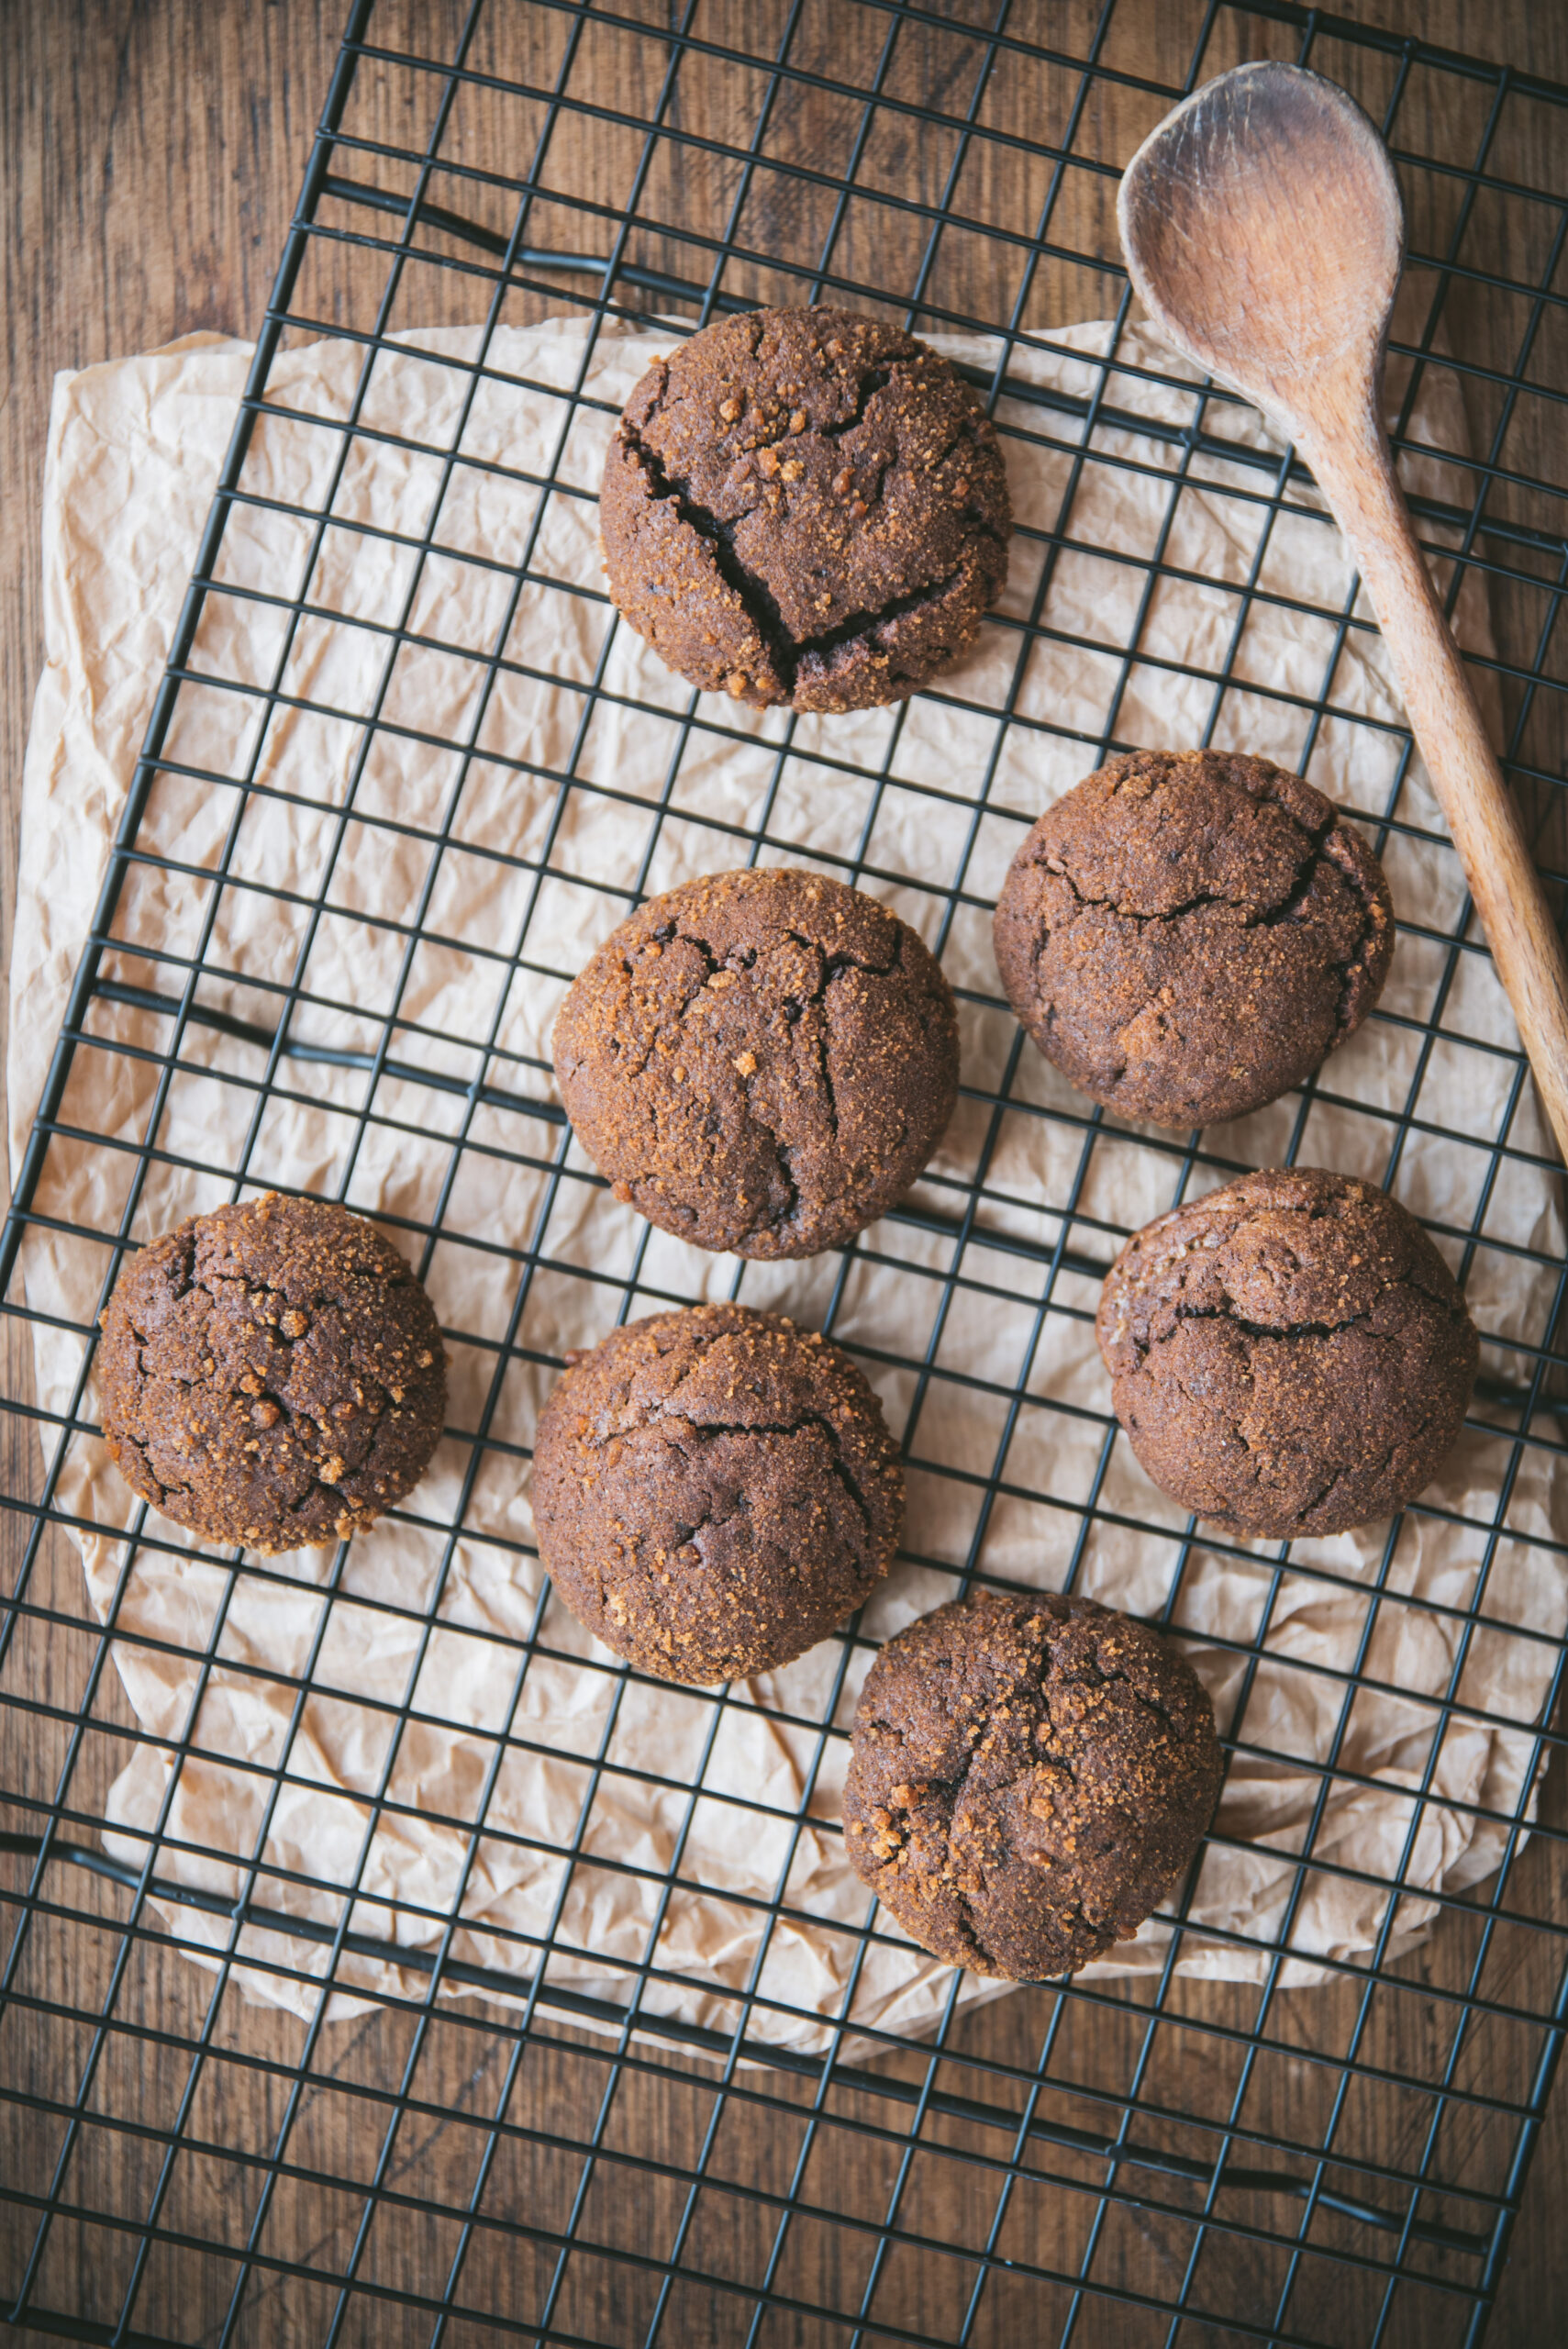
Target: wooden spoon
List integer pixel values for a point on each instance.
(1264, 231)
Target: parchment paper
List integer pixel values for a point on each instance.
(133, 453)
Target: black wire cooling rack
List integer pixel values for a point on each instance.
(1121, 2160)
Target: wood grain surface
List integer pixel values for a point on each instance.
(150, 156)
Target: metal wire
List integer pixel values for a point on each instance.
(1252, 2222)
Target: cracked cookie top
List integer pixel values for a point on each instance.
(1187, 934)
(805, 506)
(761, 1062)
(272, 1373)
(714, 1490)
(1028, 1778)
(1289, 1355)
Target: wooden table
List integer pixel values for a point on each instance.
(150, 156)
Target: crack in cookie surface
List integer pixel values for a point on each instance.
(1289, 1355)
(1028, 1778)
(805, 507)
(1187, 935)
(759, 1062)
(714, 1491)
(272, 1373)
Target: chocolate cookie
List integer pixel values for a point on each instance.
(714, 1490)
(1029, 1780)
(1289, 1355)
(805, 506)
(759, 1062)
(1187, 934)
(272, 1373)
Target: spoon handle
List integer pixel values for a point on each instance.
(1354, 470)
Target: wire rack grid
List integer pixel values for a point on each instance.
(1158, 2158)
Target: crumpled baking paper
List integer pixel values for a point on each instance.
(545, 1796)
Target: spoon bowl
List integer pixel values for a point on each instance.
(1263, 228)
